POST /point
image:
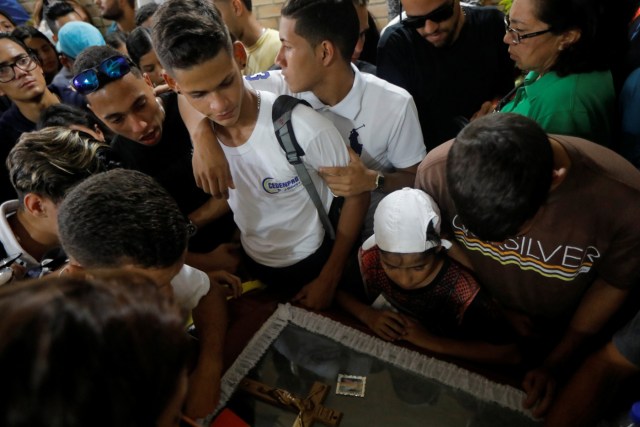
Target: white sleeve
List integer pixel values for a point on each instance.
(189, 285)
(322, 143)
(269, 81)
(406, 146)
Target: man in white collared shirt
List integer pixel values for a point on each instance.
(376, 119)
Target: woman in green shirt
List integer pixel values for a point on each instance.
(566, 49)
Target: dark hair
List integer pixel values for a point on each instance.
(144, 12)
(333, 20)
(24, 32)
(51, 161)
(115, 39)
(9, 17)
(139, 44)
(189, 32)
(499, 173)
(248, 5)
(104, 350)
(19, 42)
(600, 39)
(56, 10)
(92, 57)
(67, 115)
(122, 216)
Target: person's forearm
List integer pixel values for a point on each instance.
(211, 210)
(597, 306)
(210, 321)
(399, 179)
(589, 392)
(204, 140)
(347, 232)
(477, 351)
(190, 116)
(351, 305)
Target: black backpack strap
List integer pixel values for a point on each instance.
(281, 116)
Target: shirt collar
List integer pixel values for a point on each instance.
(533, 90)
(350, 106)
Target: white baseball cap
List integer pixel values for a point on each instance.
(402, 220)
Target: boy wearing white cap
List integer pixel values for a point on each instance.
(421, 295)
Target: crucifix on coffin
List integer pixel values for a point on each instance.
(309, 409)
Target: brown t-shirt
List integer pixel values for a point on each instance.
(589, 227)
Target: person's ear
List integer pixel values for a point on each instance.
(557, 177)
(73, 268)
(34, 204)
(240, 54)
(237, 7)
(170, 82)
(99, 133)
(64, 60)
(569, 38)
(326, 52)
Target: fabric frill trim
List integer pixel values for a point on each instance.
(429, 367)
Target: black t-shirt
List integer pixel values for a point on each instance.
(13, 124)
(169, 162)
(449, 84)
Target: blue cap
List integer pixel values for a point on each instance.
(76, 36)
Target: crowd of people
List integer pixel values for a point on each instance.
(469, 186)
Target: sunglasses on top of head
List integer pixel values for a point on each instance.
(109, 70)
(442, 13)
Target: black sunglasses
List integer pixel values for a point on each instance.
(442, 13)
(110, 69)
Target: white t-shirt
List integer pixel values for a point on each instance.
(383, 115)
(189, 285)
(279, 223)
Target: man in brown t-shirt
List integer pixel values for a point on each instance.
(548, 223)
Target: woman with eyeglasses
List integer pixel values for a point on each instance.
(566, 48)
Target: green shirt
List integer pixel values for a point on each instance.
(579, 105)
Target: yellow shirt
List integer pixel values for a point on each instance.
(262, 55)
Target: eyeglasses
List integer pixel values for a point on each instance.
(24, 62)
(88, 81)
(442, 13)
(516, 37)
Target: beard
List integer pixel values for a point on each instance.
(112, 14)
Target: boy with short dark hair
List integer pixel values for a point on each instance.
(124, 218)
(548, 223)
(280, 226)
(419, 294)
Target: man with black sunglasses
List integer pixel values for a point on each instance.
(22, 81)
(451, 58)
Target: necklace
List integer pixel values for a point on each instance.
(259, 99)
